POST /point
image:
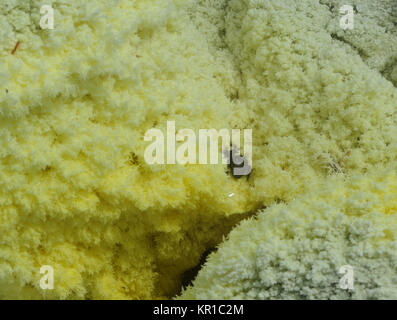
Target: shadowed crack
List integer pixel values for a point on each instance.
(358, 50)
(390, 71)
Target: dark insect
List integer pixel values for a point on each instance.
(133, 159)
(238, 165)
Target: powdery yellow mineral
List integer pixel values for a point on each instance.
(300, 250)
(75, 191)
